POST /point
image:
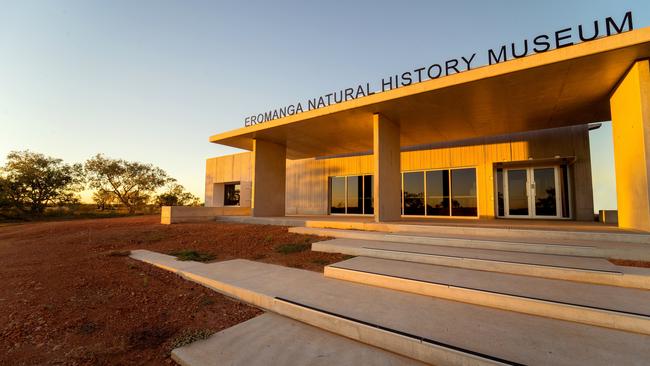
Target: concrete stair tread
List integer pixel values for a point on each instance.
(610, 298)
(573, 262)
(473, 239)
(271, 339)
(518, 338)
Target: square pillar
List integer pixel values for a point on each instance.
(387, 182)
(630, 106)
(269, 179)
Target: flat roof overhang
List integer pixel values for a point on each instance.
(562, 87)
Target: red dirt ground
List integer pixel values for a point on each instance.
(65, 301)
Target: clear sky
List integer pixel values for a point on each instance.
(152, 80)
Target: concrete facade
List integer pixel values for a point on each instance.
(630, 103)
(269, 179)
(386, 162)
(528, 112)
(307, 180)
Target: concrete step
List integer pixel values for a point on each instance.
(558, 233)
(561, 267)
(605, 306)
(428, 329)
(572, 247)
(272, 339)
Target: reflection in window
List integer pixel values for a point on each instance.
(500, 202)
(463, 190)
(414, 193)
(438, 193)
(355, 195)
(368, 207)
(231, 194)
(447, 191)
(351, 195)
(338, 195)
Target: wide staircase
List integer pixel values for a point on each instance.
(456, 296)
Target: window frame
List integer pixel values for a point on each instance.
(235, 184)
(363, 192)
(449, 175)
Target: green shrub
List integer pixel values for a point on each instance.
(193, 255)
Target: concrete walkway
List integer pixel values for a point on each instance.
(271, 339)
(428, 329)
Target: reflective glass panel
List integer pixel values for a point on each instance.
(338, 195)
(355, 195)
(463, 191)
(414, 193)
(545, 198)
(500, 200)
(517, 192)
(367, 195)
(438, 193)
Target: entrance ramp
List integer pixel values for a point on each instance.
(429, 329)
(272, 339)
(562, 267)
(606, 306)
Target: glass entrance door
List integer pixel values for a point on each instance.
(532, 192)
(544, 191)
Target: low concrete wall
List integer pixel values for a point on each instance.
(178, 214)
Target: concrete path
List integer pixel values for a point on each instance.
(428, 329)
(271, 339)
(564, 267)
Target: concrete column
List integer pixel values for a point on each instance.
(630, 106)
(269, 179)
(387, 182)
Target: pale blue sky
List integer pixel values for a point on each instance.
(152, 80)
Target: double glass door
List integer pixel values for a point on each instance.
(532, 192)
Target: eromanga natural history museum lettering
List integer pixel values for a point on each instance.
(541, 43)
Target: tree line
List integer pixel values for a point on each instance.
(30, 182)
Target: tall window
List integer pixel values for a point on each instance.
(438, 193)
(414, 193)
(231, 194)
(463, 192)
(351, 195)
(445, 192)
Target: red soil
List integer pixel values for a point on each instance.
(65, 300)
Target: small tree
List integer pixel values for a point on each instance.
(175, 195)
(132, 183)
(31, 181)
(103, 198)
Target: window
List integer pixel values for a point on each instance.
(351, 195)
(463, 192)
(338, 195)
(438, 193)
(231, 194)
(414, 193)
(368, 203)
(444, 192)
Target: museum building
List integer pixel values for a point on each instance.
(508, 140)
